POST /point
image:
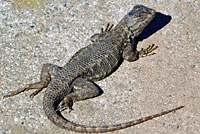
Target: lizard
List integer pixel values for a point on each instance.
(75, 81)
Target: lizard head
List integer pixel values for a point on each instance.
(138, 18)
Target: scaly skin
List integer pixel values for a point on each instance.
(75, 81)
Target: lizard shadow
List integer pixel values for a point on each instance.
(157, 23)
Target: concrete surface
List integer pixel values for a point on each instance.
(34, 32)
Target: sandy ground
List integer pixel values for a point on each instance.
(34, 32)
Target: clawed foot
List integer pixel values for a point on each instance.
(108, 28)
(13, 93)
(64, 104)
(45, 79)
(38, 86)
(98, 36)
(35, 93)
(148, 51)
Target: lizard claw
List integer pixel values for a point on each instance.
(98, 36)
(148, 51)
(13, 93)
(35, 93)
(64, 104)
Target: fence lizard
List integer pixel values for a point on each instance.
(75, 81)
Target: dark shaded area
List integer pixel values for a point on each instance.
(157, 23)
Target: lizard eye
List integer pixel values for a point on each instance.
(132, 31)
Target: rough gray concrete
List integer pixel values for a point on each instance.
(34, 32)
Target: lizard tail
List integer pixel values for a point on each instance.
(60, 121)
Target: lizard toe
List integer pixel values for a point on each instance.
(65, 104)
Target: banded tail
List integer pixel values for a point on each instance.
(64, 123)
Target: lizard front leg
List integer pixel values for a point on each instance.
(98, 36)
(82, 90)
(48, 71)
(132, 55)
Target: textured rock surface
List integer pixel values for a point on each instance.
(34, 32)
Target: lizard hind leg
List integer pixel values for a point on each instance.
(45, 79)
(82, 90)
